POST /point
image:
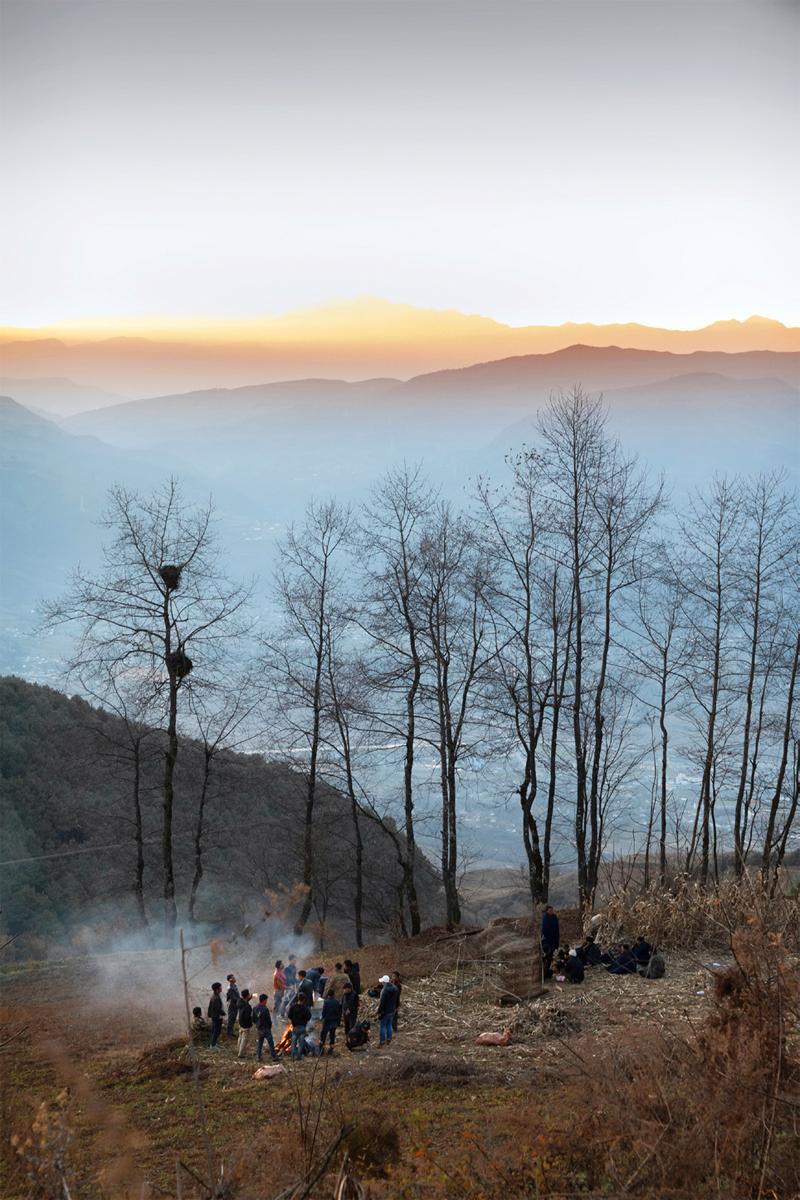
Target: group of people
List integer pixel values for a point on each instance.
(295, 992)
(570, 963)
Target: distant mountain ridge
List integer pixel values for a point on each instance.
(356, 340)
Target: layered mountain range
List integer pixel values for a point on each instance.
(353, 340)
(263, 450)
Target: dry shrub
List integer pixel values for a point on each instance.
(685, 916)
(167, 1060)
(415, 1068)
(543, 1020)
(373, 1145)
(715, 1113)
(45, 1151)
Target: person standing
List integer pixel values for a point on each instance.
(290, 971)
(298, 1015)
(551, 937)
(337, 983)
(263, 1023)
(331, 1016)
(245, 1017)
(216, 1012)
(349, 1008)
(313, 974)
(305, 988)
(398, 984)
(278, 986)
(387, 1006)
(354, 973)
(232, 1000)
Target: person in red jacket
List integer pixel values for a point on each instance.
(278, 986)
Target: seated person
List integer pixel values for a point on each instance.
(655, 968)
(200, 1026)
(641, 951)
(589, 952)
(574, 968)
(623, 963)
(560, 960)
(358, 1036)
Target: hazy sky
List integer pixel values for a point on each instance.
(537, 162)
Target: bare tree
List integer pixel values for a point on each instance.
(220, 720)
(523, 671)
(159, 609)
(131, 741)
(394, 620)
(456, 633)
(706, 570)
(308, 583)
(769, 537)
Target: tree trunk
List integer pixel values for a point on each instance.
(170, 760)
(769, 836)
(138, 883)
(739, 824)
(198, 836)
(662, 724)
(599, 724)
(408, 781)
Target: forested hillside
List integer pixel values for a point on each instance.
(69, 848)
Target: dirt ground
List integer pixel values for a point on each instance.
(83, 1029)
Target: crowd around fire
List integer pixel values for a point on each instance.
(312, 1005)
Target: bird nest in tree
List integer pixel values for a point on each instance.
(171, 576)
(180, 664)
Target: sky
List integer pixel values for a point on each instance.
(612, 160)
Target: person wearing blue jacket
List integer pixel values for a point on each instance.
(624, 963)
(331, 1016)
(387, 1007)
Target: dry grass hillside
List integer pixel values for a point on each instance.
(683, 1087)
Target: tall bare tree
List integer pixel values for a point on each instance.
(392, 523)
(220, 720)
(309, 581)
(456, 632)
(768, 541)
(706, 569)
(161, 607)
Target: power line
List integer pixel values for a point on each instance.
(13, 862)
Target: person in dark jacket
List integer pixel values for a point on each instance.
(623, 963)
(305, 988)
(387, 1006)
(349, 1007)
(290, 971)
(245, 1018)
(354, 971)
(551, 936)
(641, 951)
(398, 984)
(232, 1000)
(573, 968)
(358, 1037)
(216, 1012)
(299, 1014)
(263, 1023)
(331, 1016)
(313, 974)
(590, 951)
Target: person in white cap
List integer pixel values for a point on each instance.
(573, 968)
(387, 1007)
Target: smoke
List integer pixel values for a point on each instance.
(144, 972)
